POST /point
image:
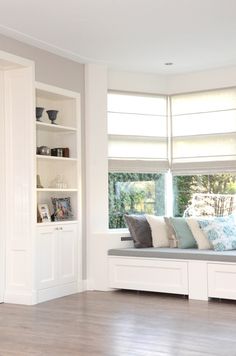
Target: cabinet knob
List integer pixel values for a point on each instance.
(58, 228)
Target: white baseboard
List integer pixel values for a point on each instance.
(46, 294)
(99, 286)
(89, 284)
(16, 297)
(83, 285)
(32, 298)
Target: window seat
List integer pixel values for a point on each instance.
(200, 274)
(176, 253)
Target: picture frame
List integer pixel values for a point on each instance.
(44, 213)
(62, 209)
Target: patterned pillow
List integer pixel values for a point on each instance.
(221, 232)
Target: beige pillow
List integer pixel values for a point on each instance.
(171, 233)
(159, 230)
(198, 234)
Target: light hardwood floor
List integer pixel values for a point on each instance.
(119, 323)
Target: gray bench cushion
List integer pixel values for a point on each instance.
(175, 253)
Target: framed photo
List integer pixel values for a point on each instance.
(44, 212)
(62, 209)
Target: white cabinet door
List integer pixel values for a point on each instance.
(56, 255)
(47, 257)
(67, 253)
(222, 280)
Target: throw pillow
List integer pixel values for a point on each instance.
(221, 232)
(171, 233)
(198, 234)
(183, 233)
(159, 230)
(139, 230)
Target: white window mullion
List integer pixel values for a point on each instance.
(168, 194)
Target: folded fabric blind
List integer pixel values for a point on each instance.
(137, 132)
(204, 131)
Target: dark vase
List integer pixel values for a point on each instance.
(52, 115)
(39, 113)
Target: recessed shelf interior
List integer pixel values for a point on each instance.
(66, 107)
(63, 134)
(58, 139)
(46, 198)
(50, 169)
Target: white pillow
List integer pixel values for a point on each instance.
(159, 231)
(198, 234)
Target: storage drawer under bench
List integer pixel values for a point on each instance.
(222, 280)
(200, 274)
(148, 274)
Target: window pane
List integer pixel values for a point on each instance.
(134, 193)
(213, 195)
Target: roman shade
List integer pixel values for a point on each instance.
(137, 132)
(203, 131)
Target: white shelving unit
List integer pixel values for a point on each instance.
(38, 261)
(58, 243)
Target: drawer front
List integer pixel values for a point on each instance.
(222, 280)
(148, 274)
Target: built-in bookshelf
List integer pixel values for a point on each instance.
(58, 170)
(59, 176)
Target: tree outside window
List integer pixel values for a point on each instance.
(134, 193)
(204, 189)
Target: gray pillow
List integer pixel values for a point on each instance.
(183, 233)
(139, 230)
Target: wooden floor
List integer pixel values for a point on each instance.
(121, 324)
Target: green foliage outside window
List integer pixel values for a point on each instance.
(185, 186)
(139, 193)
(134, 193)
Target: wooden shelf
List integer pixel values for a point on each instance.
(56, 190)
(55, 158)
(63, 222)
(43, 126)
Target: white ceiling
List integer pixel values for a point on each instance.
(131, 35)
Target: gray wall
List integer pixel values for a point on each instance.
(49, 68)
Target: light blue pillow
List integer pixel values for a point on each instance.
(183, 233)
(221, 232)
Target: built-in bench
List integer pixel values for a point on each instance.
(200, 274)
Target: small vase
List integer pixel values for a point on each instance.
(52, 115)
(39, 113)
(39, 184)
